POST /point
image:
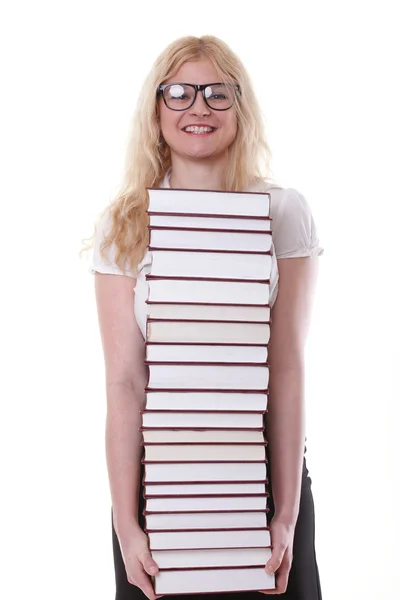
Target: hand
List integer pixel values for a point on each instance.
(137, 558)
(282, 534)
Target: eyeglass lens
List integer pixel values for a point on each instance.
(180, 96)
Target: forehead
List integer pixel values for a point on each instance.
(195, 71)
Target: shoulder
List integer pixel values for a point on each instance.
(294, 231)
(104, 261)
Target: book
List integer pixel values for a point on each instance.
(213, 332)
(209, 202)
(201, 419)
(192, 221)
(188, 238)
(204, 452)
(179, 352)
(205, 520)
(207, 290)
(221, 490)
(227, 557)
(213, 538)
(207, 376)
(219, 503)
(238, 435)
(209, 401)
(181, 263)
(191, 581)
(208, 312)
(204, 471)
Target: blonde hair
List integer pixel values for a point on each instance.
(147, 158)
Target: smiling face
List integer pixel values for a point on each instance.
(203, 144)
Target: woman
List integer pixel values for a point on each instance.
(229, 152)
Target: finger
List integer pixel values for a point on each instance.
(149, 565)
(141, 580)
(277, 555)
(281, 580)
(147, 562)
(281, 576)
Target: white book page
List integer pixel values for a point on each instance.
(206, 353)
(210, 222)
(208, 332)
(211, 264)
(188, 472)
(211, 558)
(201, 419)
(208, 377)
(209, 202)
(206, 401)
(217, 292)
(206, 520)
(191, 435)
(207, 488)
(210, 240)
(198, 453)
(209, 312)
(179, 504)
(209, 539)
(218, 580)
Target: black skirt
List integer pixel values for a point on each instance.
(303, 583)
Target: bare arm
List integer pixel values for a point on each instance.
(125, 374)
(285, 424)
(124, 349)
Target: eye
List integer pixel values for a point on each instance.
(216, 93)
(176, 91)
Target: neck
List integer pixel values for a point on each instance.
(197, 175)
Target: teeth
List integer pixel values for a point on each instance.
(193, 129)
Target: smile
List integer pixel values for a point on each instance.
(199, 130)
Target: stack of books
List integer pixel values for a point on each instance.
(203, 425)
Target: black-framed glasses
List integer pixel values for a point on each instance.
(181, 96)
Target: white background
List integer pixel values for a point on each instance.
(326, 76)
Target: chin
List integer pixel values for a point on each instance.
(193, 148)
(200, 153)
(196, 150)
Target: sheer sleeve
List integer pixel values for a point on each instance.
(106, 265)
(293, 229)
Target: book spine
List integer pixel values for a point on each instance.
(151, 277)
(267, 305)
(214, 566)
(207, 229)
(205, 250)
(195, 512)
(264, 495)
(204, 443)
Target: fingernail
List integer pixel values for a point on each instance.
(270, 569)
(153, 570)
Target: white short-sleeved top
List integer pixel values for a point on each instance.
(294, 234)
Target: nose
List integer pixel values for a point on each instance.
(199, 106)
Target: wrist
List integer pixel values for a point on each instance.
(125, 526)
(286, 517)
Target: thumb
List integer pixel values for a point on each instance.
(274, 562)
(149, 565)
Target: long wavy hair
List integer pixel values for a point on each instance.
(148, 157)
